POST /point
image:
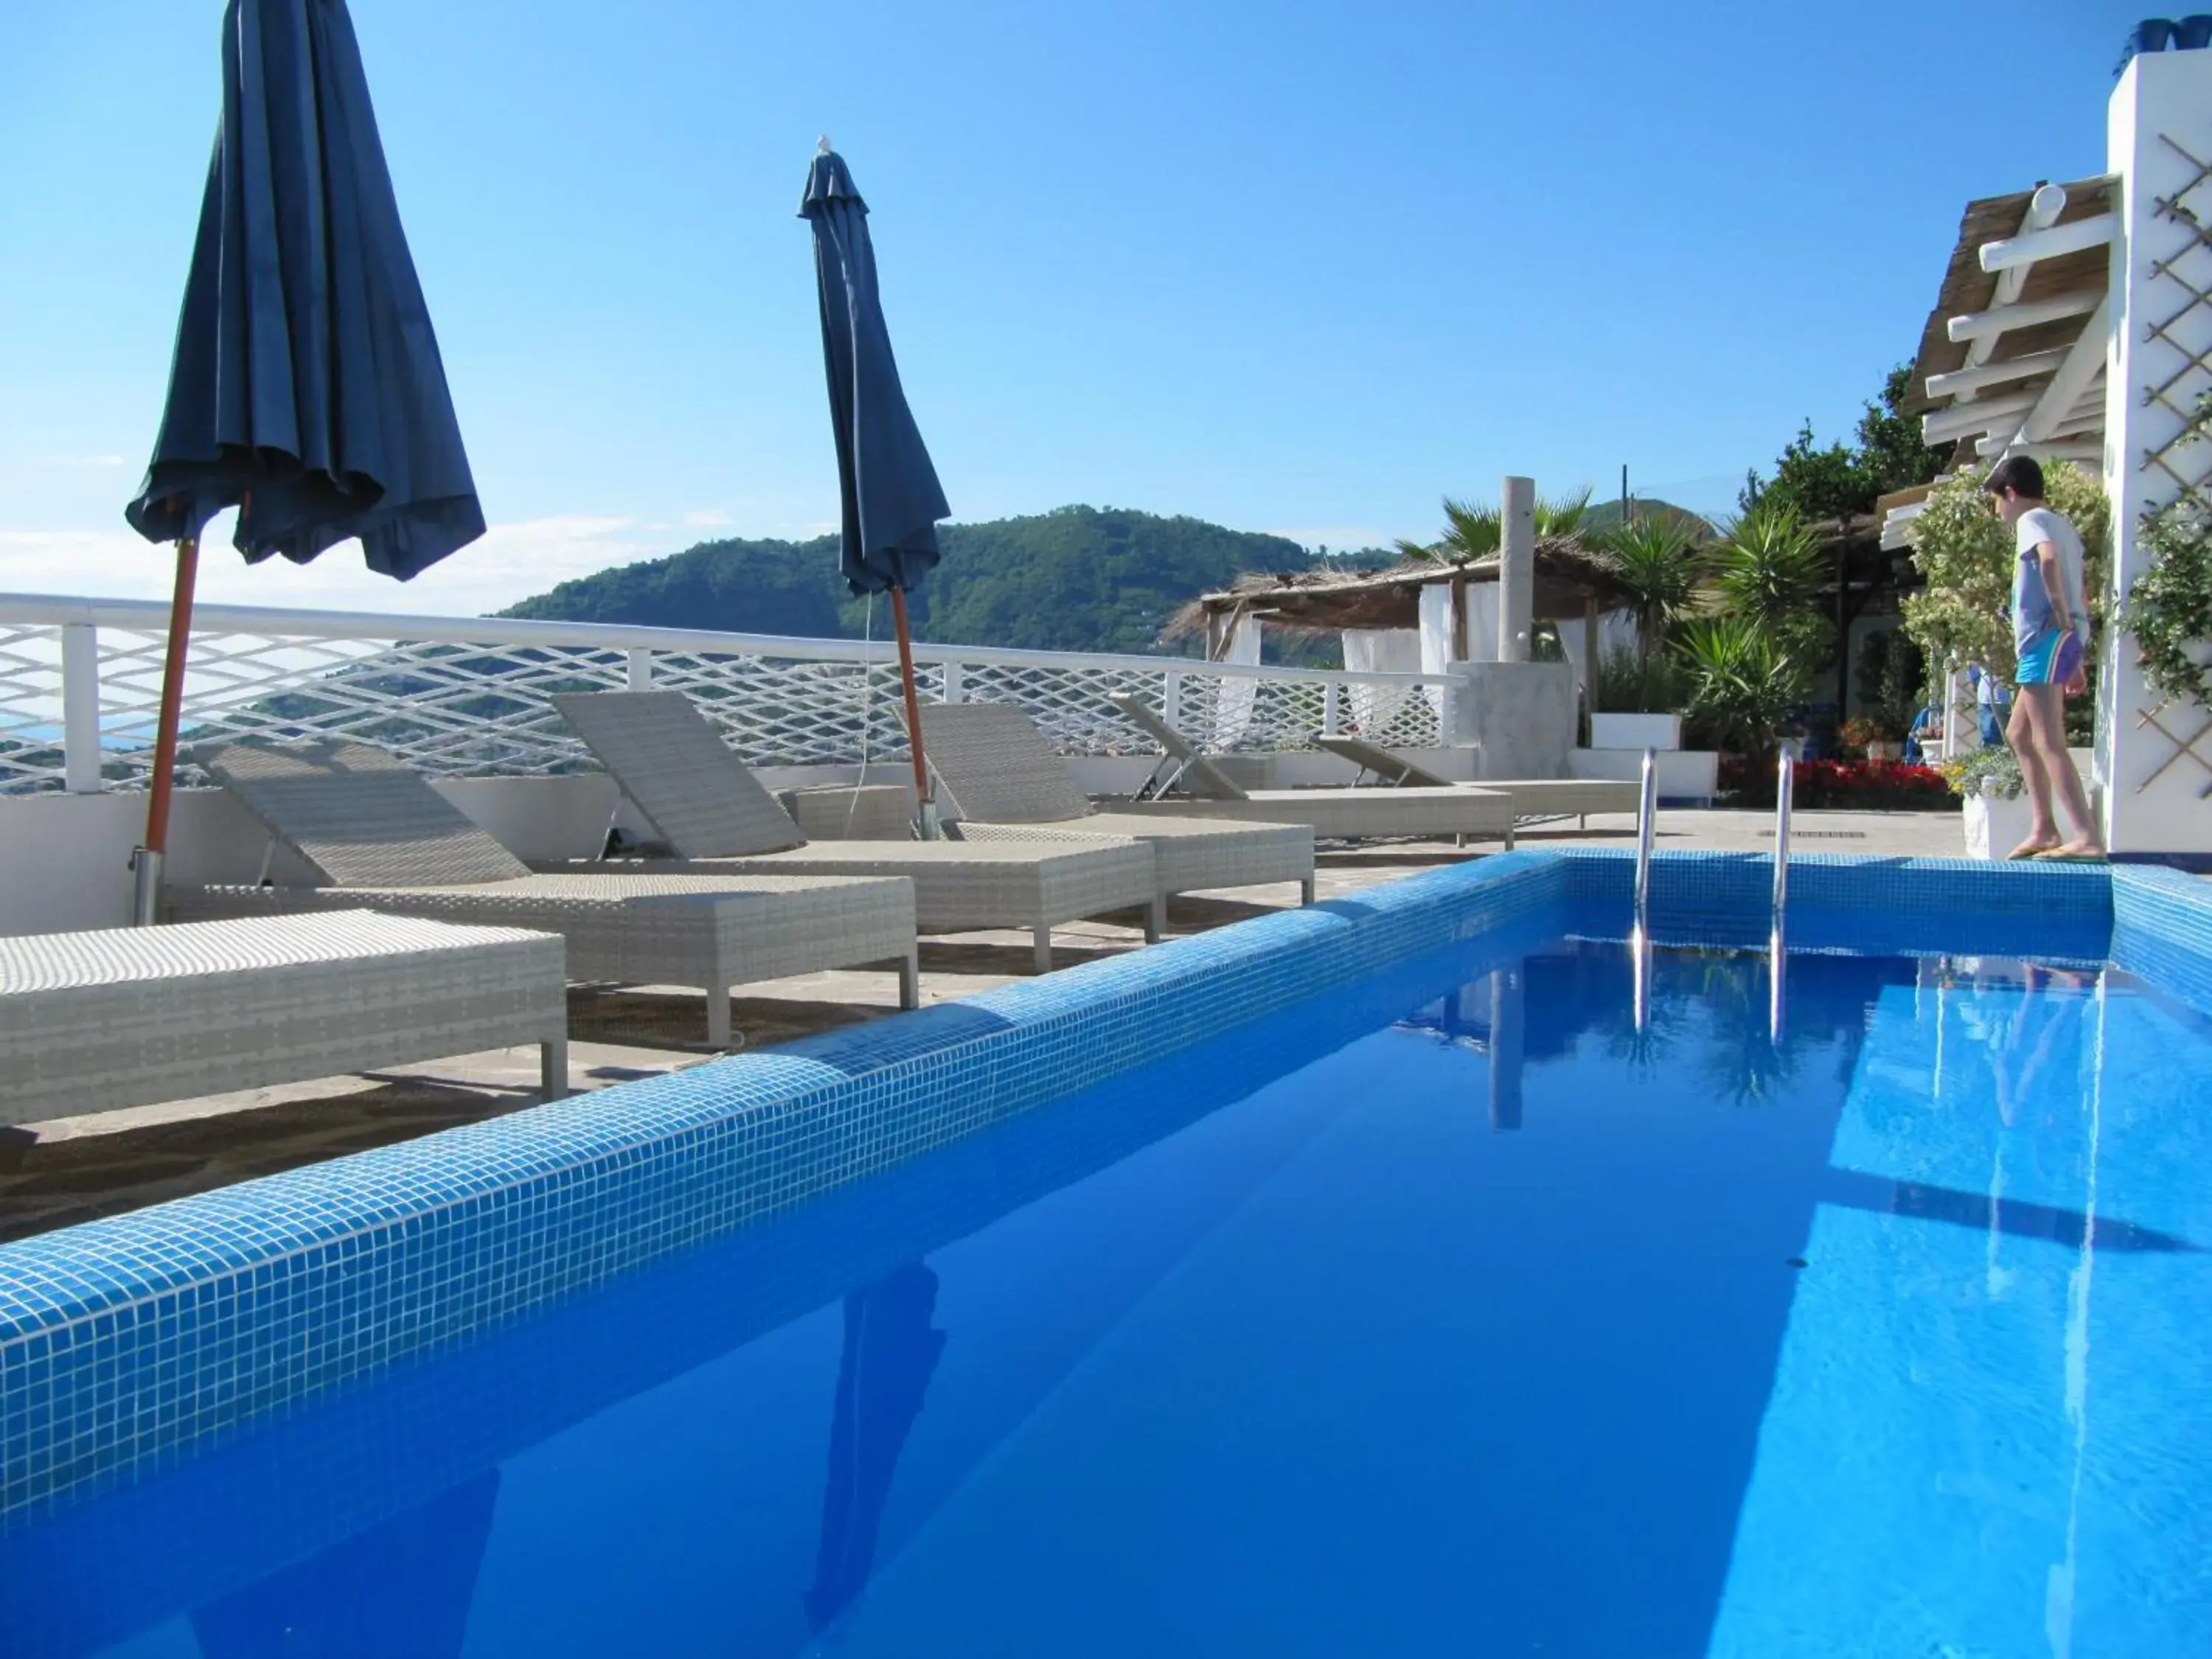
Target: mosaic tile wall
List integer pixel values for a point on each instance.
(1890, 906)
(122, 1338)
(2162, 930)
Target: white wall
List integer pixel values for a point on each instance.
(2148, 809)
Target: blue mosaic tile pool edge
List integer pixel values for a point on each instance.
(2162, 930)
(122, 1340)
(123, 1337)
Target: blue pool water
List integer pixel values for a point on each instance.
(1453, 1314)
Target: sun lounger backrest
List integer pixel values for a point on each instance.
(1199, 775)
(997, 766)
(1384, 763)
(358, 813)
(680, 772)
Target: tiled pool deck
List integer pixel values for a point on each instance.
(124, 1338)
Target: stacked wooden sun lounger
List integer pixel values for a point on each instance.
(128, 1016)
(383, 839)
(717, 817)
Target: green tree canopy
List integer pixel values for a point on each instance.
(1826, 483)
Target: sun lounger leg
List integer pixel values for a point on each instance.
(718, 1017)
(910, 973)
(1509, 837)
(1156, 919)
(553, 1066)
(1044, 936)
(1306, 891)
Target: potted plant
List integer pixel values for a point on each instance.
(1861, 736)
(1996, 814)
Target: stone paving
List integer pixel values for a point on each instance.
(74, 1168)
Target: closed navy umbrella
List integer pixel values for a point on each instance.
(891, 499)
(307, 389)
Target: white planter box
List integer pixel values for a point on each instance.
(1994, 825)
(1636, 731)
(1684, 774)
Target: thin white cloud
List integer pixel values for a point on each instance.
(707, 518)
(509, 563)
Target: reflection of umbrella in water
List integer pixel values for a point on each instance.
(891, 1352)
(307, 389)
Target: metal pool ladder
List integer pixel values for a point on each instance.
(1647, 815)
(1785, 778)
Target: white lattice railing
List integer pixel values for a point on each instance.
(80, 683)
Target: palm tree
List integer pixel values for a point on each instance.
(1662, 563)
(1743, 678)
(1768, 569)
(1475, 532)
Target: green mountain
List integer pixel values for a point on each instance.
(1076, 578)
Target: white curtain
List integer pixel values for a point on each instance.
(1379, 651)
(1616, 631)
(1482, 622)
(1232, 710)
(1436, 637)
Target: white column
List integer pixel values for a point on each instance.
(952, 682)
(2159, 335)
(1332, 709)
(640, 668)
(1516, 570)
(80, 709)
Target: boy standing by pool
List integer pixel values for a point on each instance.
(2051, 634)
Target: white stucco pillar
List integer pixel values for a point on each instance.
(2159, 117)
(1516, 569)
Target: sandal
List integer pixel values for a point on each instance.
(2032, 850)
(2067, 855)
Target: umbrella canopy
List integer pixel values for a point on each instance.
(891, 498)
(890, 495)
(307, 385)
(307, 389)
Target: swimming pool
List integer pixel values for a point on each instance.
(1452, 1309)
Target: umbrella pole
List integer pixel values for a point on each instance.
(146, 862)
(924, 808)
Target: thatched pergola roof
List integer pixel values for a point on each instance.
(1571, 580)
(2012, 306)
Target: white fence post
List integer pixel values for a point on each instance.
(640, 668)
(952, 682)
(1332, 712)
(80, 709)
(1171, 699)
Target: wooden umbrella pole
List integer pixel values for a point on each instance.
(924, 808)
(147, 864)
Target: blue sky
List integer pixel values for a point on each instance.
(1290, 267)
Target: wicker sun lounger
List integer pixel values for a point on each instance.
(1532, 797)
(385, 840)
(128, 1016)
(1457, 810)
(1006, 782)
(716, 815)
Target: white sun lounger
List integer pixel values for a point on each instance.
(1457, 810)
(386, 840)
(129, 1016)
(716, 815)
(1532, 797)
(1005, 782)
